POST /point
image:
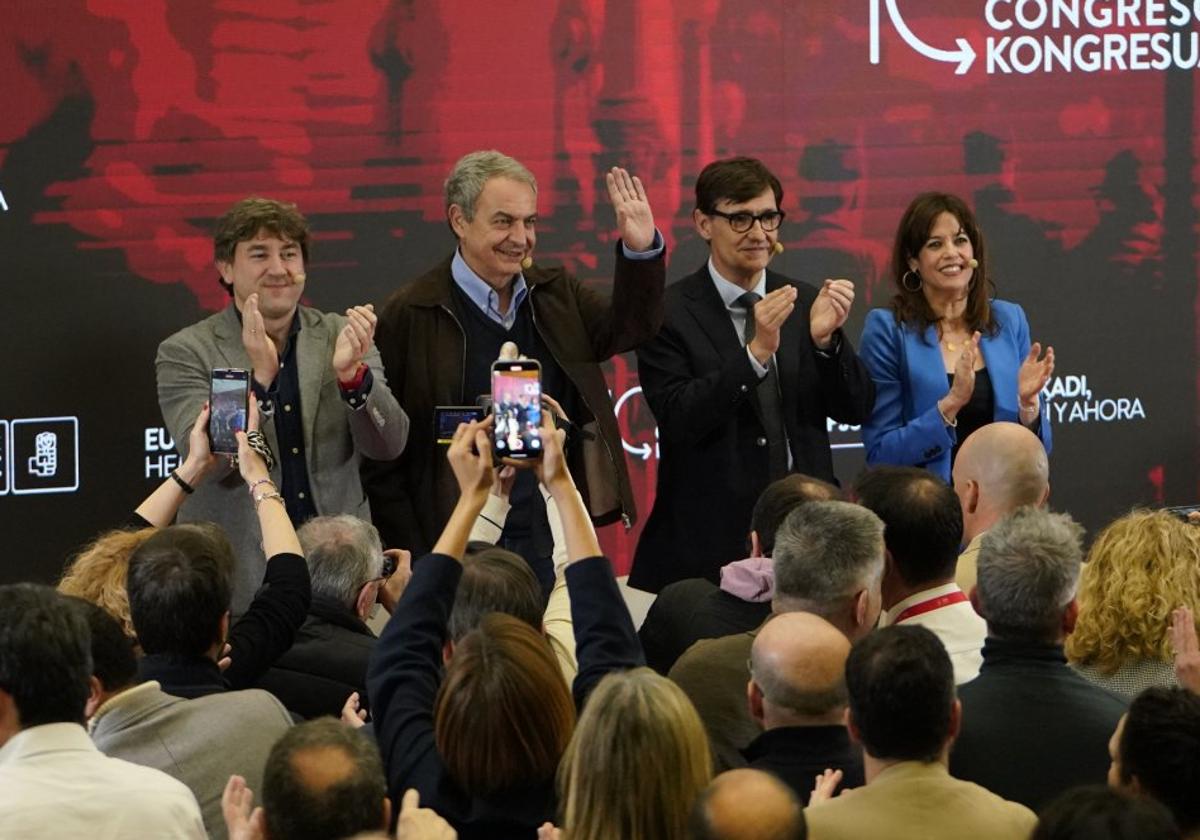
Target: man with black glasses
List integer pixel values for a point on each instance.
(741, 378)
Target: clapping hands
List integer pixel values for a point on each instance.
(1034, 374)
(354, 341)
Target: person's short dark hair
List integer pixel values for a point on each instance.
(782, 497)
(1160, 746)
(1096, 812)
(922, 520)
(323, 780)
(901, 687)
(45, 657)
(243, 221)
(495, 580)
(114, 662)
(735, 179)
(179, 587)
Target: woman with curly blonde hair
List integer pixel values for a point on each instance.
(636, 763)
(97, 574)
(1139, 569)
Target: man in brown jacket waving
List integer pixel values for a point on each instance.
(439, 334)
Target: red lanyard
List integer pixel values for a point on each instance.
(931, 605)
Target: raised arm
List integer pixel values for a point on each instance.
(405, 668)
(159, 508)
(605, 639)
(1187, 649)
(269, 625)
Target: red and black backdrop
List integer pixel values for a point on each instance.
(127, 126)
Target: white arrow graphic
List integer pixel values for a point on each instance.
(645, 450)
(964, 56)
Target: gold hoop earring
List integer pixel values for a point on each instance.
(905, 284)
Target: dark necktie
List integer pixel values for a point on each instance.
(769, 400)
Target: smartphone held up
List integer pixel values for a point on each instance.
(229, 401)
(517, 405)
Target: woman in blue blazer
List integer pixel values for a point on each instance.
(947, 357)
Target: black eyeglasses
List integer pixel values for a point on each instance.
(742, 222)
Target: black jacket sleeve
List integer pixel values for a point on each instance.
(405, 672)
(605, 639)
(269, 626)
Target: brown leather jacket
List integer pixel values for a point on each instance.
(424, 352)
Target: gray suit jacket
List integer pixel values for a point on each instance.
(200, 742)
(335, 436)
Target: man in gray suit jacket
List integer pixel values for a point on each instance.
(317, 378)
(200, 742)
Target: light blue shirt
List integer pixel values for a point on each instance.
(484, 296)
(488, 299)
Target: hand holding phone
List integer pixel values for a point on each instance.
(229, 397)
(517, 408)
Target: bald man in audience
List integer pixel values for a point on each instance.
(999, 468)
(797, 694)
(746, 804)
(323, 780)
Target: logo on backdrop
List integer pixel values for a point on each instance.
(39, 455)
(1057, 36)
(161, 456)
(1071, 401)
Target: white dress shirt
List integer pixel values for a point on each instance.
(55, 783)
(960, 628)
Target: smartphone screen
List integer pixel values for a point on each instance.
(517, 404)
(446, 419)
(229, 392)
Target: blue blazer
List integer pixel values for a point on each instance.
(910, 377)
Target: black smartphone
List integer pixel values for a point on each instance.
(228, 400)
(1183, 512)
(389, 566)
(447, 417)
(517, 406)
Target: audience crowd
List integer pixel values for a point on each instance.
(910, 658)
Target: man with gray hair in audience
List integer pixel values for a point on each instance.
(1032, 727)
(328, 660)
(828, 562)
